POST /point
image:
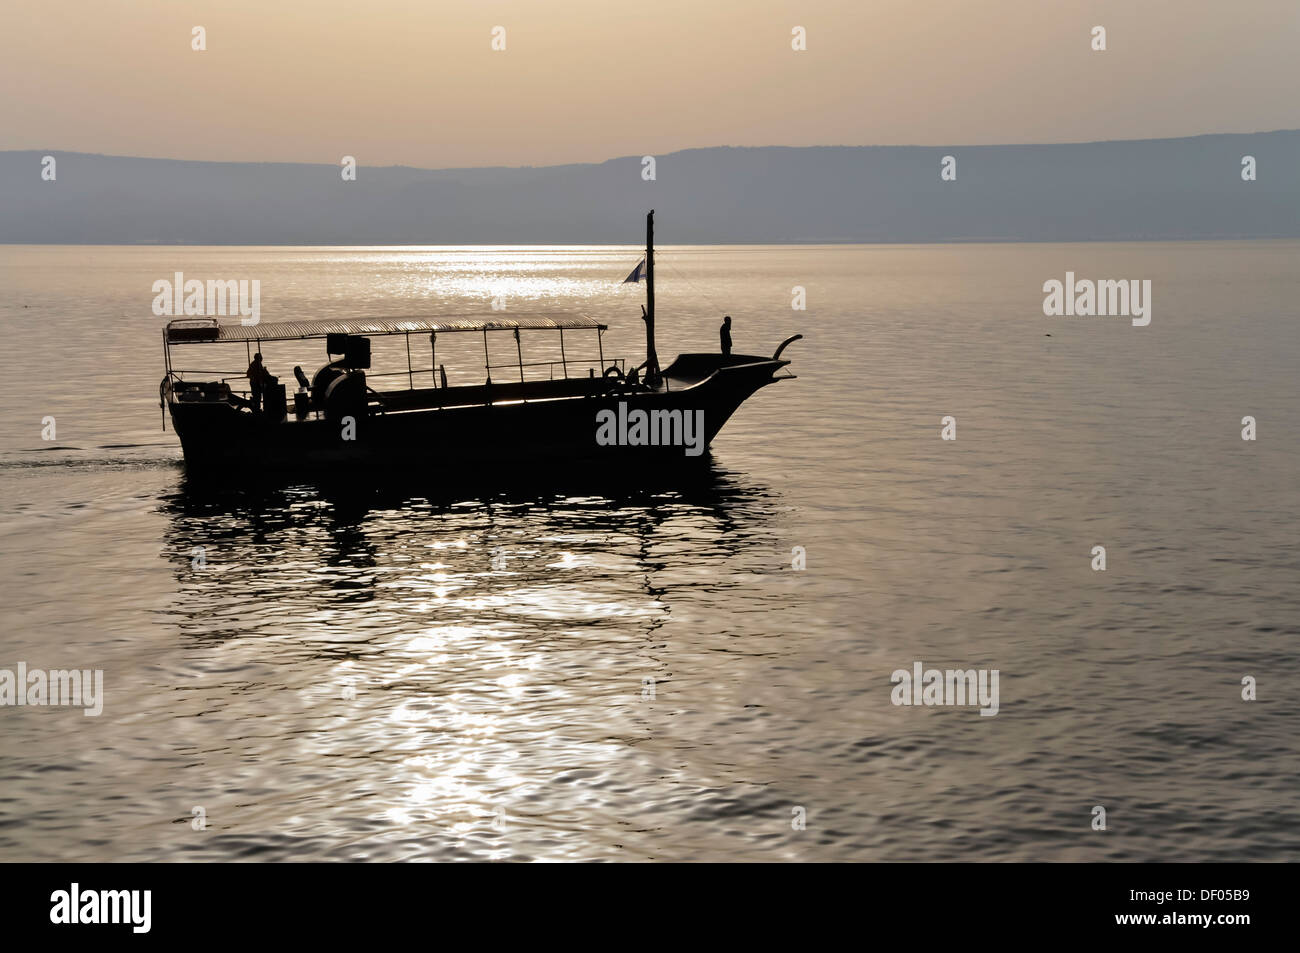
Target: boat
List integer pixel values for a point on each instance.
(584, 411)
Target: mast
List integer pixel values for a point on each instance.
(651, 358)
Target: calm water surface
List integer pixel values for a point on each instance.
(349, 675)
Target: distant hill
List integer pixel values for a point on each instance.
(1142, 189)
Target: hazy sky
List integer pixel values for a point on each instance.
(416, 82)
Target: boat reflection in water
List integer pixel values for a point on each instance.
(391, 673)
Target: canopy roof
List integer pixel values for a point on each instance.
(195, 330)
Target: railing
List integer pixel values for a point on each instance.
(244, 392)
(621, 363)
(564, 364)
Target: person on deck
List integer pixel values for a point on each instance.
(258, 377)
(724, 333)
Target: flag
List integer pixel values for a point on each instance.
(637, 273)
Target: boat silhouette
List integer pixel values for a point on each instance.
(660, 417)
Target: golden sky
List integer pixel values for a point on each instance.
(417, 83)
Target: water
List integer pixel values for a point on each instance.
(347, 676)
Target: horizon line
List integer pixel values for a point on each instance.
(807, 243)
(557, 165)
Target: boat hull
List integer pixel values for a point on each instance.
(700, 394)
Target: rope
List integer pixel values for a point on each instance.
(708, 297)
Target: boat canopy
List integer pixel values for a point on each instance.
(195, 330)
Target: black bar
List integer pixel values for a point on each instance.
(984, 905)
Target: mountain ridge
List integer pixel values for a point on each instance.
(1110, 190)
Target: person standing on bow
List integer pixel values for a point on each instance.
(724, 333)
